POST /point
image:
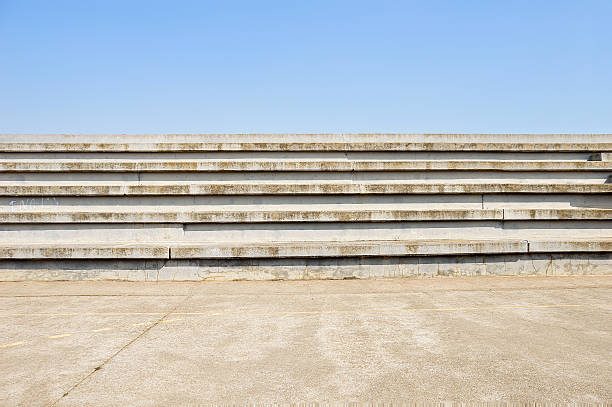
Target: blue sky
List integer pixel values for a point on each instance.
(130, 66)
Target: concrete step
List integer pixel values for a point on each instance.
(465, 145)
(557, 214)
(344, 249)
(305, 156)
(309, 202)
(259, 214)
(85, 251)
(576, 245)
(382, 248)
(300, 177)
(232, 250)
(211, 165)
(12, 189)
(271, 232)
(309, 268)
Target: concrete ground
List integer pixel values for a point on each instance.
(515, 339)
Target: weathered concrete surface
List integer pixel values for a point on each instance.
(327, 187)
(282, 249)
(296, 232)
(312, 268)
(568, 245)
(559, 214)
(345, 249)
(157, 165)
(388, 202)
(482, 339)
(259, 214)
(303, 206)
(84, 251)
(301, 146)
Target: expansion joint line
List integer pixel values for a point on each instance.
(124, 347)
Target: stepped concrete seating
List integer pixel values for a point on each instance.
(196, 207)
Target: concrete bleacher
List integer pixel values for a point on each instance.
(196, 207)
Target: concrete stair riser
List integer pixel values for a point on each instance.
(310, 202)
(301, 231)
(527, 264)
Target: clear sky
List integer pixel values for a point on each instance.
(127, 66)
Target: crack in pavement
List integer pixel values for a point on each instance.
(124, 347)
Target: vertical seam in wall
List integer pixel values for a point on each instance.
(505, 257)
(481, 201)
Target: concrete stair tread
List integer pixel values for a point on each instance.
(84, 251)
(228, 250)
(258, 214)
(259, 188)
(214, 165)
(304, 146)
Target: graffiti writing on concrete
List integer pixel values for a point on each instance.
(28, 203)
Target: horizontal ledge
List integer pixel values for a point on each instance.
(346, 249)
(274, 145)
(120, 165)
(301, 249)
(84, 251)
(320, 188)
(55, 214)
(558, 214)
(546, 246)
(264, 250)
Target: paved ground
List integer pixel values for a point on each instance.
(466, 339)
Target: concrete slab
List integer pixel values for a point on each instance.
(59, 350)
(258, 214)
(254, 164)
(519, 339)
(92, 188)
(560, 214)
(271, 214)
(84, 251)
(228, 250)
